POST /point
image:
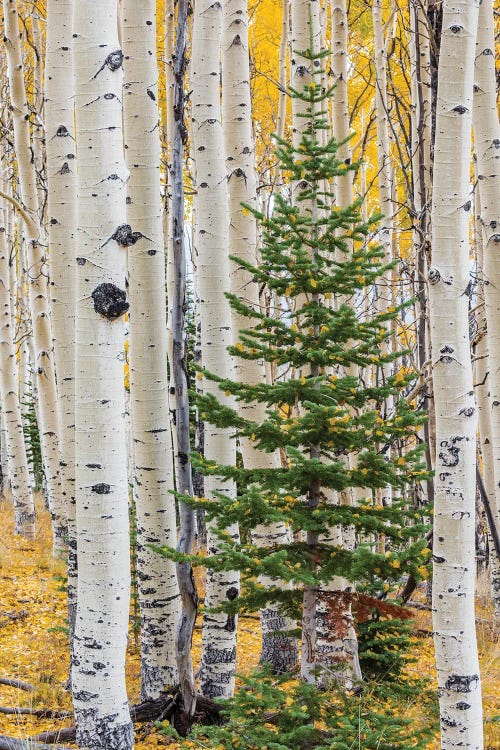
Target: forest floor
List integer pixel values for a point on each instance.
(34, 648)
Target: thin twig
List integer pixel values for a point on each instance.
(11, 682)
(40, 713)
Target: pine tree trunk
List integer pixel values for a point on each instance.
(457, 665)
(487, 144)
(98, 675)
(38, 288)
(15, 450)
(153, 478)
(211, 241)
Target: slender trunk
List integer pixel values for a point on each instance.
(187, 587)
(456, 417)
(486, 144)
(283, 94)
(98, 675)
(61, 175)
(420, 149)
(278, 649)
(337, 649)
(305, 30)
(37, 274)
(211, 239)
(153, 478)
(15, 450)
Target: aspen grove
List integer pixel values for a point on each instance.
(249, 375)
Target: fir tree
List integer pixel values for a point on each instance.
(320, 259)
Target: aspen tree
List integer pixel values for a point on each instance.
(457, 665)
(305, 35)
(383, 140)
(170, 39)
(486, 145)
(187, 587)
(153, 477)
(338, 647)
(15, 450)
(383, 148)
(420, 50)
(211, 241)
(98, 674)
(278, 650)
(482, 379)
(305, 31)
(61, 178)
(283, 77)
(37, 275)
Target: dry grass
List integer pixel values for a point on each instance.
(34, 648)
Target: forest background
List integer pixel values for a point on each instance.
(392, 228)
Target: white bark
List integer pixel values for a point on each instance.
(305, 27)
(283, 82)
(487, 148)
(61, 178)
(383, 147)
(98, 675)
(153, 477)
(278, 649)
(340, 102)
(211, 240)
(18, 473)
(420, 69)
(37, 273)
(456, 416)
(305, 36)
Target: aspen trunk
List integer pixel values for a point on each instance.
(98, 675)
(305, 34)
(61, 176)
(486, 144)
(283, 94)
(187, 587)
(337, 650)
(278, 649)
(211, 240)
(153, 478)
(305, 30)
(482, 379)
(15, 450)
(37, 274)
(456, 416)
(422, 190)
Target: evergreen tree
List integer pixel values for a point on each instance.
(320, 259)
